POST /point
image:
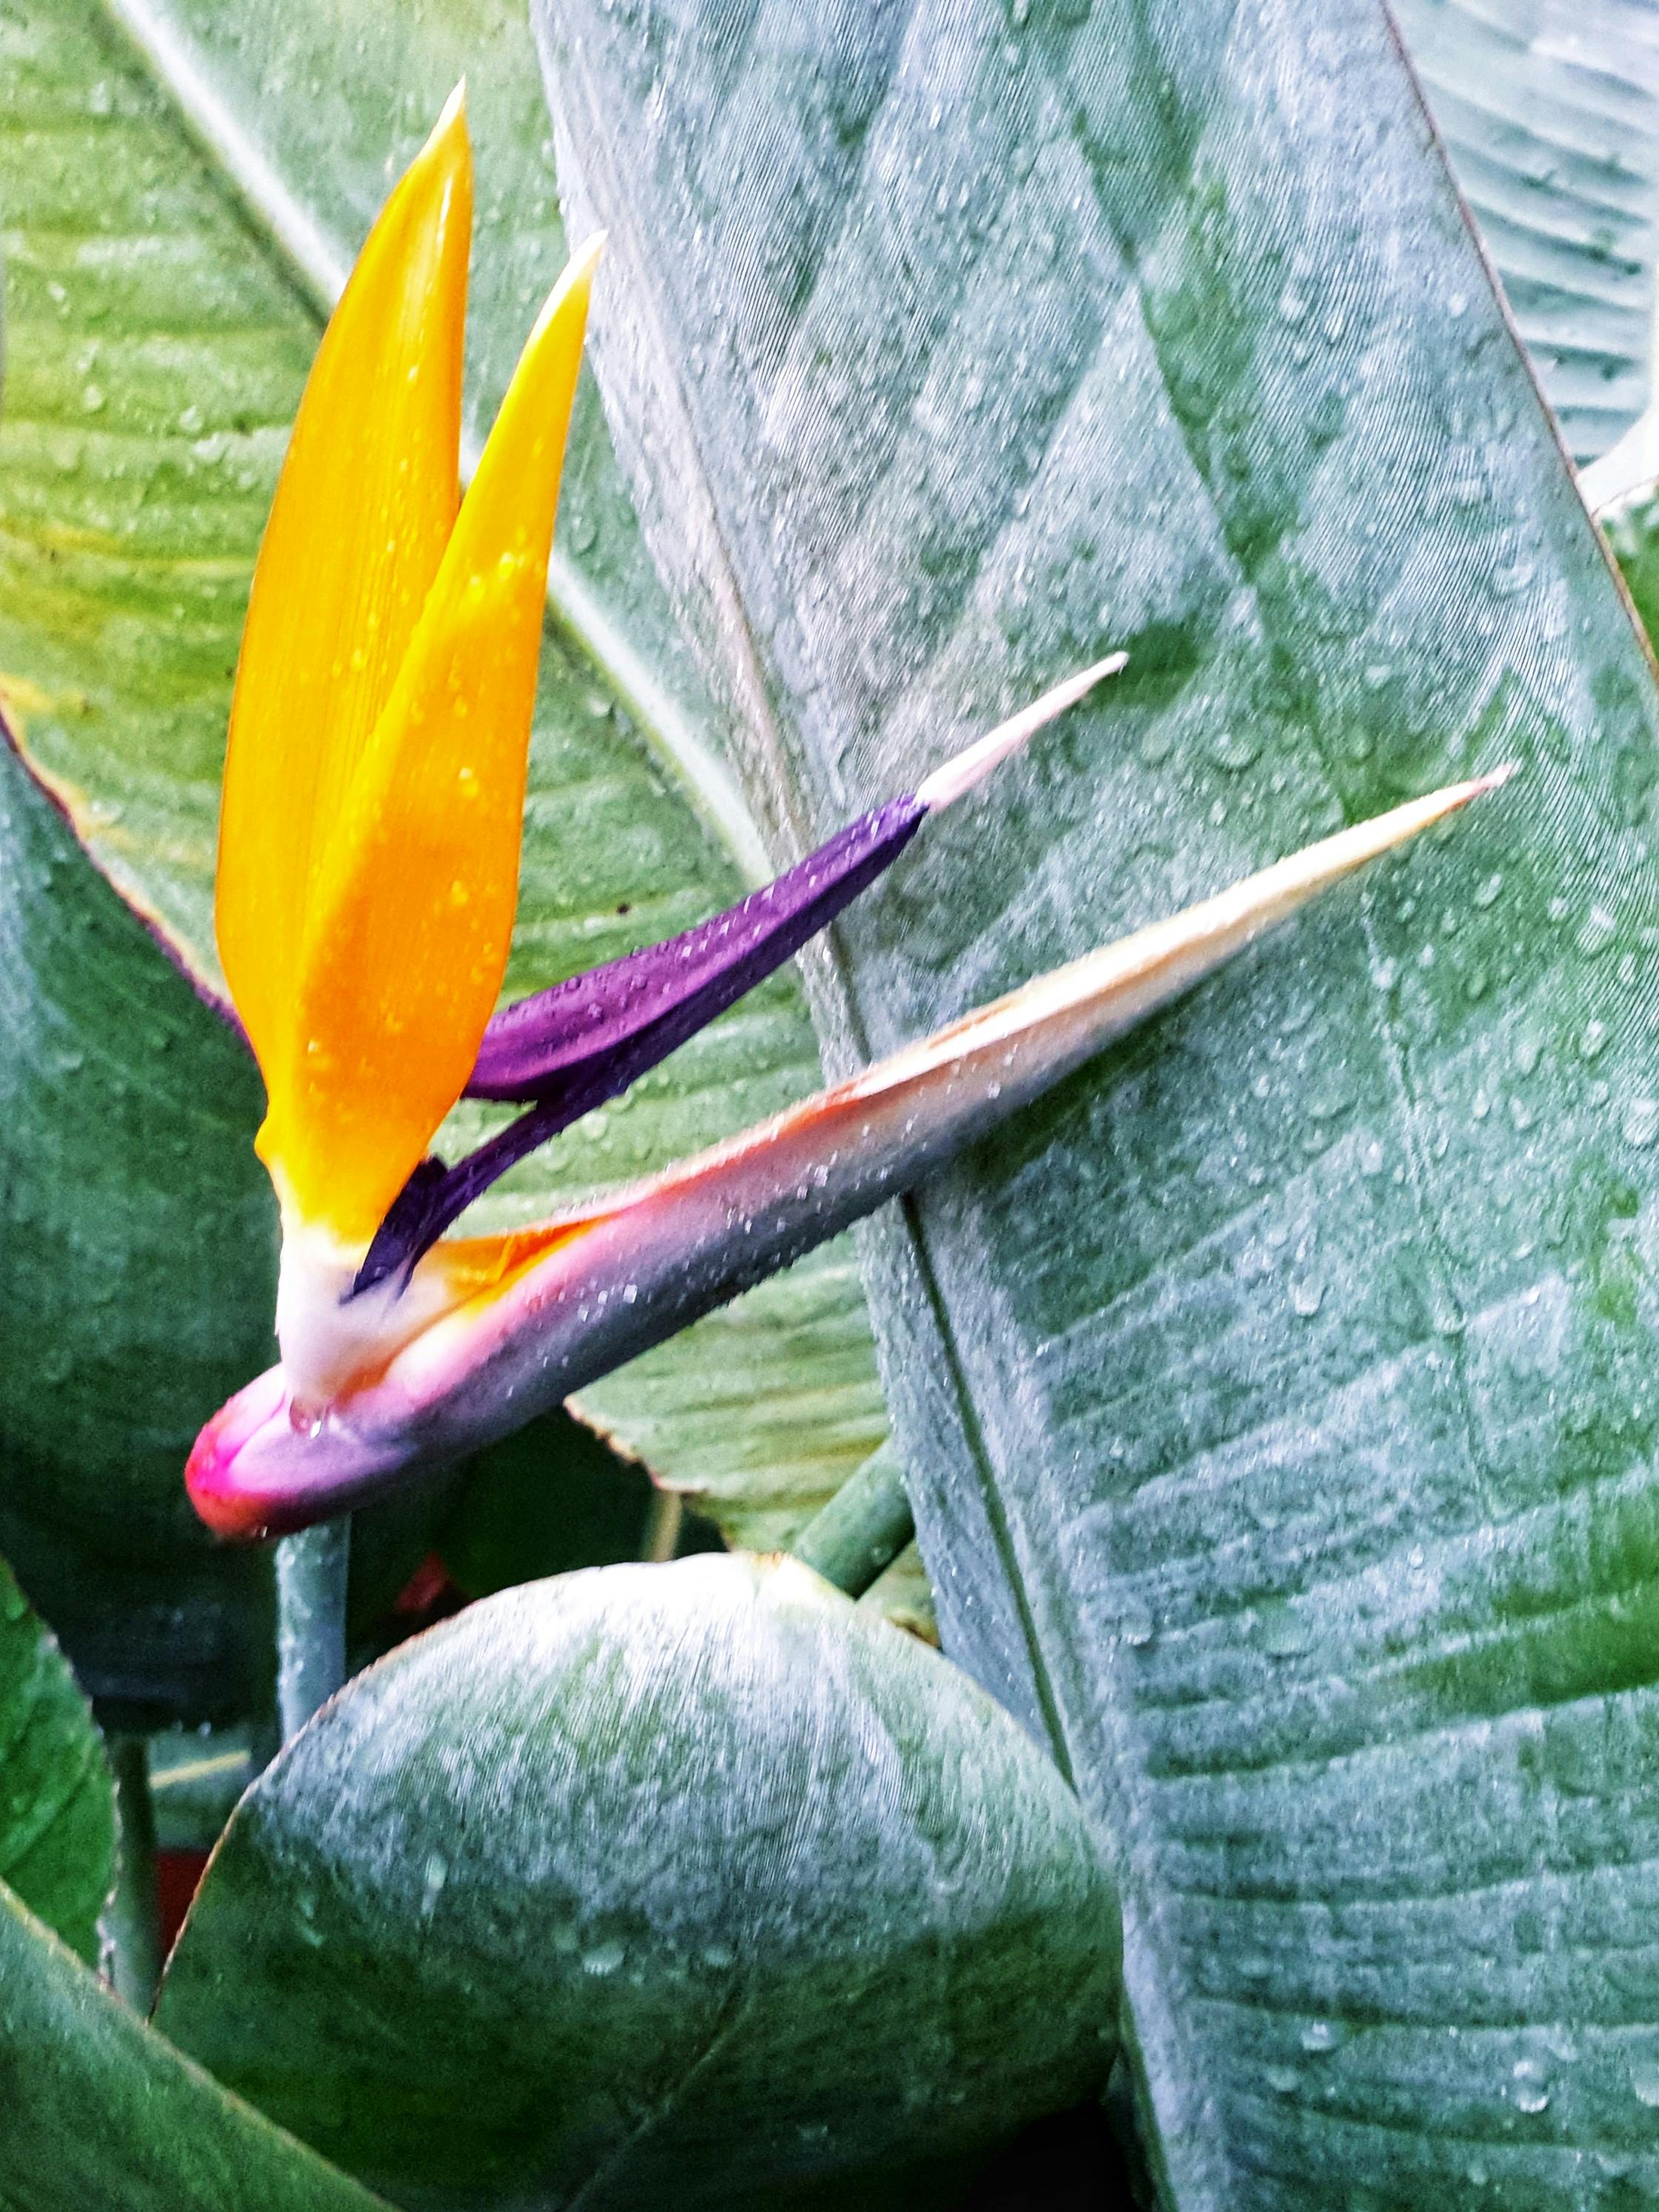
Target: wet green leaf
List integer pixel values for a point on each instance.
(689, 1883)
(1278, 1399)
(139, 1271)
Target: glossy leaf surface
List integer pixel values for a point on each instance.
(56, 1815)
(647, 1883)
(99, 2111)
(1278, 1399)
(157, 346)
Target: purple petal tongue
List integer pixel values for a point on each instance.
(570, 1048)
(667, 993)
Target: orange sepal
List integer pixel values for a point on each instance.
(408, 924)
(363, 509)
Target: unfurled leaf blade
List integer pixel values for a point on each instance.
(1277, 1398)
(1551, 116)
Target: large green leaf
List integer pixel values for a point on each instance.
(1280, 1398)
(157, 346)
(57, 1808)
(1551, 114)
(687, 1884)
(100, 2113)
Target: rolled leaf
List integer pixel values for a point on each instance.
(651, 1884)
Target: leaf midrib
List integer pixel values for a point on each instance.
(828, 977)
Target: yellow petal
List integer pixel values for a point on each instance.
(363, 509)
(407, 935)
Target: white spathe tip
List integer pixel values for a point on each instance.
(586, 259)
(1495, 778)
(969, 768)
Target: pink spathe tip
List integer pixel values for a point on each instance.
(211, 1474)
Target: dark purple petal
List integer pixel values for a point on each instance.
(668, 992)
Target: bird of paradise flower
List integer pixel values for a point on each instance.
(366, 887)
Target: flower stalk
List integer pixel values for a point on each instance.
(313, 1573)
(132, 1918)
(856, 1537)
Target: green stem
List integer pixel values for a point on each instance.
(662, 1525)
(312, 1569)
(132, 1916)
(863, 1529)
